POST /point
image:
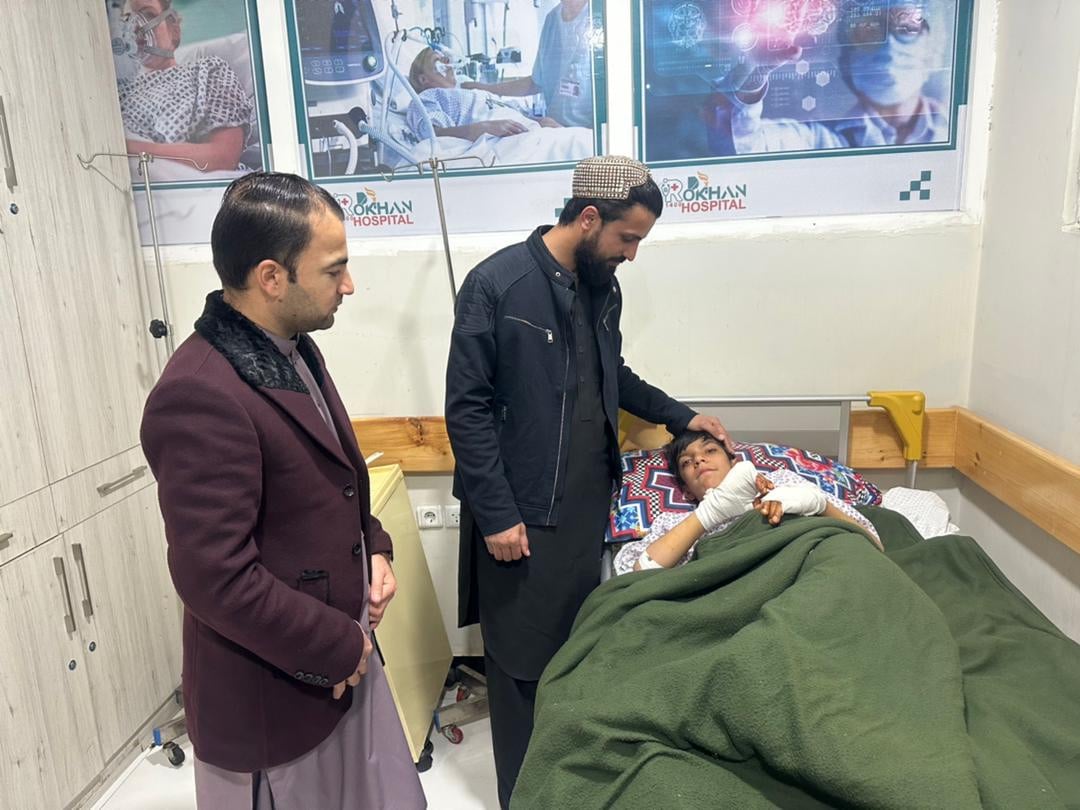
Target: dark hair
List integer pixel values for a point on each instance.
(265, 215)
(676, 447)
(647, 194)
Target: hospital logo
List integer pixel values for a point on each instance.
(695, 195)
(366, 210)
(917, 189)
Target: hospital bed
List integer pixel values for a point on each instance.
(904, 409)
(1019, 673)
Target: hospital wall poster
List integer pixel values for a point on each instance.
(764, 108)
(491, 89)
(189, 84)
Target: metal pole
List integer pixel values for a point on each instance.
(144, 168)
(845, 426)
(912, 471)
(434, 162)
(810, 399)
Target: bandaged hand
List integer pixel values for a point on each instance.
(733, 497)
(793, 499)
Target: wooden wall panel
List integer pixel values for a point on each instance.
(420, 444)
(1034, 482)
(874, 445)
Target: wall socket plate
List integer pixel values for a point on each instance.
(452, 511)
(429, 517)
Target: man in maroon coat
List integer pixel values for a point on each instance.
(282, 569)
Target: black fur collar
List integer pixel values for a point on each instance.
(249, 351)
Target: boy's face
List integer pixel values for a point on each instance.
(702, 466)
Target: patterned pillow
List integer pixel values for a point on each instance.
(832, 476)
(649, 488)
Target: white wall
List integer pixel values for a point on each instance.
(1026, 368)
(829, 306)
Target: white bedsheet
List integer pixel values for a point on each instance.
(927, 512)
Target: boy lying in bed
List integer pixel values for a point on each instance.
(725, 491)
(461, 113)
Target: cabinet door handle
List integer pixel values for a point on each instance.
(87, 603)
(5, 539)
(123, 481)
(69, 616)
(9, 155)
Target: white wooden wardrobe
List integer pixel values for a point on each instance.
(89, 622)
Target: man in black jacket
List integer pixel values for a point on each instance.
(534, 384)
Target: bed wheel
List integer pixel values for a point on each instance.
(174, 752)
(453, 734)
(424, 763)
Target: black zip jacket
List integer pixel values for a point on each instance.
(510, 389)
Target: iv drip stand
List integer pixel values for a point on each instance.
(159, 327)
(435, 164)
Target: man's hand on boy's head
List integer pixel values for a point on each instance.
(710, 424)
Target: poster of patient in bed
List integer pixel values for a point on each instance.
(485, 86)
(185, 79)
(761, 92)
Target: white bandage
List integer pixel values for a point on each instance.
(733, 497)
(647, 563)
(798, 499)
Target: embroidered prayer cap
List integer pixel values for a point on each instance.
(608, 177)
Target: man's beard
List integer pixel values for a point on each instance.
(591, 269)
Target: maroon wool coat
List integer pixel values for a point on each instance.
(264, 516)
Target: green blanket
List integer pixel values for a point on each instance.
(798, 666)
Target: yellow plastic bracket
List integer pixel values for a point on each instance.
(907, 409)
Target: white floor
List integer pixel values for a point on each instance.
(462, 777)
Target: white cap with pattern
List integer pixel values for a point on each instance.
(608, 177)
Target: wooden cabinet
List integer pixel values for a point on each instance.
(412, 637)
(78, 280)
(90, 645)
(19, 442)
(26, 523)
(126, 614)
(48, 732)
(89, 622)
(20, 445)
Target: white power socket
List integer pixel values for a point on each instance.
(453, 515)
(429, 517)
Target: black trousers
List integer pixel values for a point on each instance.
(527, 607)
(511, 703)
